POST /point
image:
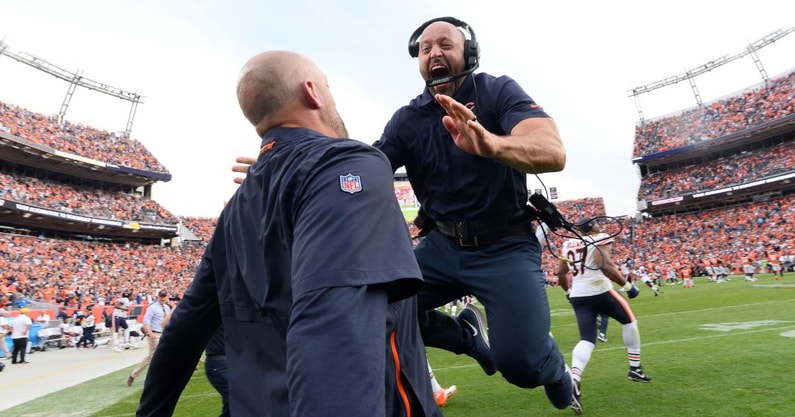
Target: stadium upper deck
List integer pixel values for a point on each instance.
(734, 150)
(77, 179)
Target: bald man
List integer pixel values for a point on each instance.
(467, 143)
(310, 270)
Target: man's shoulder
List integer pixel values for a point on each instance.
(347, 146)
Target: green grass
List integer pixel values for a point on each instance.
(713, 350)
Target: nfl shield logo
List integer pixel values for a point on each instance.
(350, 183)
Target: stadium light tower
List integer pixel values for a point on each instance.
(691, 75)
(75, 79)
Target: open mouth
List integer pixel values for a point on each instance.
(439, 71)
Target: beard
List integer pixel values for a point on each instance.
(337, 125)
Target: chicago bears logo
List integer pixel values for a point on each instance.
(350, 183)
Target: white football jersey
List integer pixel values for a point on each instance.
(587, 277)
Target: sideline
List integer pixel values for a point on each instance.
(57, 369)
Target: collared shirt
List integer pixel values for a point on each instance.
(155, 314)
(449, 183)
(295, 249)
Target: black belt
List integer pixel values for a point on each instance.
(216, 357)
(483, 232)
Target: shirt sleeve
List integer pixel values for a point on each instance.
(514, 104)
(354, 233)
(195, 319)
(336, 348)
(148, 316)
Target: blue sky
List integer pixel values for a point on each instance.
(577, 59)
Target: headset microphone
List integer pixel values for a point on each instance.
(449, 78)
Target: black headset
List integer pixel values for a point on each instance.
(471, 48)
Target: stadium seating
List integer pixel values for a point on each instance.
(771, 101)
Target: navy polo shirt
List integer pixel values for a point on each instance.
(449, 183)
(305, 255)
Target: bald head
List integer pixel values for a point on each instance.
(282, 88)
(441, 53)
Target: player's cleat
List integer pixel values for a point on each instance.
(637, 375)
(602, 337)
(444, 394)
(473, 321)
(576, 404)
(561, 393)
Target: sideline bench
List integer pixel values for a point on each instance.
(51, 337)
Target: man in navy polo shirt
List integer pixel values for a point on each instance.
(467, 144)
(310, 269)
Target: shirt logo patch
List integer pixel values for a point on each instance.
(350, 183)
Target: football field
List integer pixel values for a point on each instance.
(713, 350)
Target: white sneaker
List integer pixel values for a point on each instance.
(602, 337)
(116, 349)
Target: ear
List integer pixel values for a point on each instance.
(312, 95)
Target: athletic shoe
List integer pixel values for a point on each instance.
(637, 375)
(561, 393)
(602, 337)
(130, 380)
(443, 394)
(576, 404)
(471, 319)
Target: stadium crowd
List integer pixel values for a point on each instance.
(81, 200)
(774, 100)
(729, 236)
(77, 274)
(202, 227)
(736, 169)
(77, 139)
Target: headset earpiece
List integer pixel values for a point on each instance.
(471, 48)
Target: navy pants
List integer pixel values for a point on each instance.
(217, 375)
(506, 278)
(608, 304)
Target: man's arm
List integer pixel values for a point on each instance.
(534, 145)
(563, 275)
(146, 325)
(181, 345)
(606, 265)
